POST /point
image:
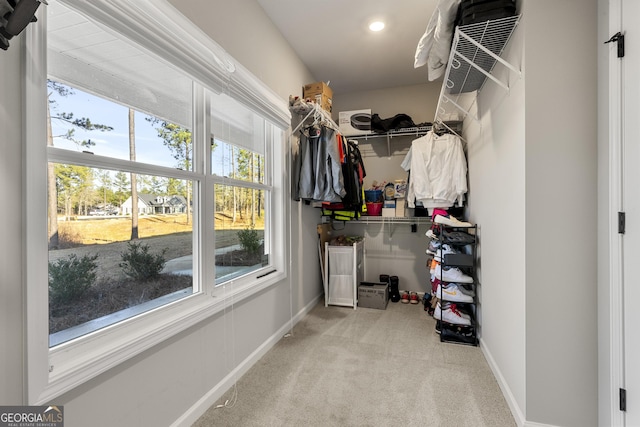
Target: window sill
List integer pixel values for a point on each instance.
(75, 362)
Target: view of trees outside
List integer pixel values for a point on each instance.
(81, 191)
(95, 211)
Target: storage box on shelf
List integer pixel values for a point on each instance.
(319, 92)
(461, 297)
(355, 122)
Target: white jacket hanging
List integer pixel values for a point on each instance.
(438, 171)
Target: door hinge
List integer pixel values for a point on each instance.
(623, 400)
(619, 39)
(622, 222)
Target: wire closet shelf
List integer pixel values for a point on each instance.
(475, 51)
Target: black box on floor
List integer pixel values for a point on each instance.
(373, 295)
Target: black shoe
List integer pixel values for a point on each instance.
(394, 291)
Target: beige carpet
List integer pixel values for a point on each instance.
(365, 367)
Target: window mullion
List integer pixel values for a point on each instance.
(60, 155)
(206, 200)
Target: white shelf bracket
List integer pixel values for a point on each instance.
(459, 107)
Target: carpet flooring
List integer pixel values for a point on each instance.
(365, 367)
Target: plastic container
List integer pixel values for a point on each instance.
(374, 208)
(373, 195)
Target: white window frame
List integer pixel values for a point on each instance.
(52, 372)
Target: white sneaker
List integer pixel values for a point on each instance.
(450, 315)
(430, 234)
(451, 221)
(451, 274)
(444, 250)
(452, 293)
(446, 305)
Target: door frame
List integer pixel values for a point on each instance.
(616, 204)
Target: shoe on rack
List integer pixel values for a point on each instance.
(458, 237)
(452, 293)
(414, 298)
(438, 326)
(450, 315)
(444, 250)
(451, 221)
(438, 211)
(451, 274)
(459, 333)
(447, 305)
(405, 298)
(434, 284)
(431, 234)
(433, 267)
(465, 289)
(434, 245)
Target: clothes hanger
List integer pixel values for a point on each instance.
(440, 124)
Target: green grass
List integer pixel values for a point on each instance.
(117, 229)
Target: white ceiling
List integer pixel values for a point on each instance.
(333, 40)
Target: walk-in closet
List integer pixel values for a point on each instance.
(293, 213)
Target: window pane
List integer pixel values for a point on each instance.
(240, 228)
(236, 162)
(84, 122)
(106, 264)
(235, 124)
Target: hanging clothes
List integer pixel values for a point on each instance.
(318, 167)
(326, 167)
(438, 171)
(353, 172)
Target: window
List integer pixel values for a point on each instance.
(241, 190)
(120, 242)
(160, 186)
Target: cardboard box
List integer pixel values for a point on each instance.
(389, 212)
(373, 295)
(320, 93)
(355, 122)
(400, 204)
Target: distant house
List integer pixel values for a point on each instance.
(149, 204)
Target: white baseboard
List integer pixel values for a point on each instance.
(506, 391)
(517, 413)
(205, 402)
(532, 424)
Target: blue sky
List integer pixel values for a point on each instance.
(115, 143)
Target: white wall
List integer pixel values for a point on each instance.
(418, 101)
(496, 156)
(561, 206)
(533, 178)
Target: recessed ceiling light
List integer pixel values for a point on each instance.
(376, 26)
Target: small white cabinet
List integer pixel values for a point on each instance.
(344, 270)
